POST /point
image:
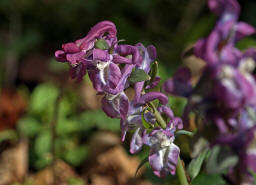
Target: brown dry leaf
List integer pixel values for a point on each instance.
(195, 65)
(130, 93)
(102, 180)
(12, 107)
(115, 164)
(62, 172)
(103, 140)
(14, 163)
(90, 99)
(138, 182)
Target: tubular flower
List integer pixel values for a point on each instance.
(163, 154)
(79, 53)
(110, 67)
(219, 45)
(225, 95)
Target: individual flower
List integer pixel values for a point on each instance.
(219, 45)
(163, 154)
(79, 52)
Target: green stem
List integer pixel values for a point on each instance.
(181, 173)
(179, 170)
(158, 116)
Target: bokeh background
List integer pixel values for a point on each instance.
(51, 128)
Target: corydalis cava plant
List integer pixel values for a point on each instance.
(114, 67)
(225, 95)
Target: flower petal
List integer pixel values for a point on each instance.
(137, 141)
(220, 7)
(70, 48)
(243, 29)
(130, 50)
(97, 31)
(126, 71)
(164, 160)
(180, 83)
(60, 56)
(123, 105)
(101, 55)
(154, 83)
(109, 108)
(148, 97)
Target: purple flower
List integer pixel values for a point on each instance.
(222, 7)
(109, 67)
(219, 45)
(116, 106)
(103, 72)
(139, 138)
(180, 83)
(78, 53)
(243, 144)
(136, 109)
(224, 98)
(163, 154)
(148, 55)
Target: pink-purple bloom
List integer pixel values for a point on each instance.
(225, 95)
(109, 66)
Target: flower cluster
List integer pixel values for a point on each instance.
(225, 95)
(113, 68)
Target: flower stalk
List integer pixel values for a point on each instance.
(181, 174)
(158, 116)
(111, 73)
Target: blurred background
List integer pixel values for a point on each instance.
(52, 130)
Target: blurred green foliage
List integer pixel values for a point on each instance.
(70, 128)
(201, 179)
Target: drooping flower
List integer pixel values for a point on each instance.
(219, 45)
(224, 98)
(163, 154)
(110, 66)
(78, 53)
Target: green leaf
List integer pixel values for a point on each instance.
(76, 156)
(43, 98)
(43, 143)
(196, 164)
(220, 159)
(183, 132)
(29, 126)
(101, 44)
(153, 72)
(8, 135)
(203, 179)
(43, 161)
(246, 43)
(177, 104)
(90, 119)
(144, 161)
(138, 75)
(67, 126)
(75, 181)
(254, 175)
